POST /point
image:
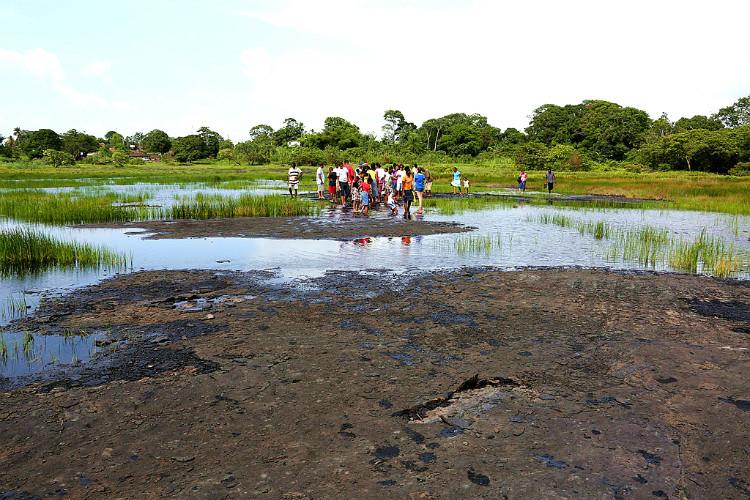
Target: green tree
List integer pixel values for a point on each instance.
(698, 122)
(459, 134)
(115, 140)
(699, 149)
(189, 148)
(134, 141)
(34, 143)
(532, 155)
(255, 152)
(737, 114)
(211, 140)
(602, 127)
(261, 131)
(58, 158)
(395, 126)
(78, 144)
(660, 127)
(156, 141)
(513, 136)
(290, 131)
(337, 132)
(5, 149)
(120, 158)
(612, 130)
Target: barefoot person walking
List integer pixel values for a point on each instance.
(320, 180)
(407, 184)
(456, 182)
(419, 184)
(293, 175)
(550, 181)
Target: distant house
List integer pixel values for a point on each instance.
(137, 153)
(293, 144)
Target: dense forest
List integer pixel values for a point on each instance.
(592, 135)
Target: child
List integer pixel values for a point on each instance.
(355, 195)
(466, 185)
(365, 190)
(391, 202)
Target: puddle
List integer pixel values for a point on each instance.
(26, 354)
(508, 236)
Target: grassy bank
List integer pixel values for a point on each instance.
(91, 208)
(683, 190)
(26, 251)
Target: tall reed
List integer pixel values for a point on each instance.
(27, 251)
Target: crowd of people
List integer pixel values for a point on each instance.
(394, 185)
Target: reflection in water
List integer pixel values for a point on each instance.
(22, 353)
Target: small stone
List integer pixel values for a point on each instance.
(210, 316)
(107, 453)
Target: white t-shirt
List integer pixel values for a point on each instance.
(320, 176)
(343, 174)
(380, 171)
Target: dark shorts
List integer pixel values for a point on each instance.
(419, 190)
(408, 195)
(344, 188)
(550, 185)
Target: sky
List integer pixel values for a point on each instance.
(178, 65)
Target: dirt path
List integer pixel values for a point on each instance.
(596, 385)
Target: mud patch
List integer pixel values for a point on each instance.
(290, 227)
(731, 310)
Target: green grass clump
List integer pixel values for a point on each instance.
(473, 244)
(650, 247)
(68, 208)
(203, 206)
(26, 251)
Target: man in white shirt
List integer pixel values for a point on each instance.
(343, 174)
(320, 180)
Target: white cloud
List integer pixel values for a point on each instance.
(46, 66)
(98, 69)
(497, 58)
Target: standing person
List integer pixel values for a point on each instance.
(407, 183)
(456, 182)
(349, 170)
(522, 181)
(293, 175)
(355, 195)
(419, 186)
(364, 194)
(400, 173)
(333, 178)
(380, 173)
(320, 180)
(550, 181)
(428, 182)
(466, 185)
(371, 177)
(344, 192)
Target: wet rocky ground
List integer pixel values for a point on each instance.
(540, 383)
(357, 226)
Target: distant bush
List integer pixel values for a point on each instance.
(742, 168)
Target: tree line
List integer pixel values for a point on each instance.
(591, 134)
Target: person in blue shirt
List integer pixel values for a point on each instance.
(419, 182)
(456, 183)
